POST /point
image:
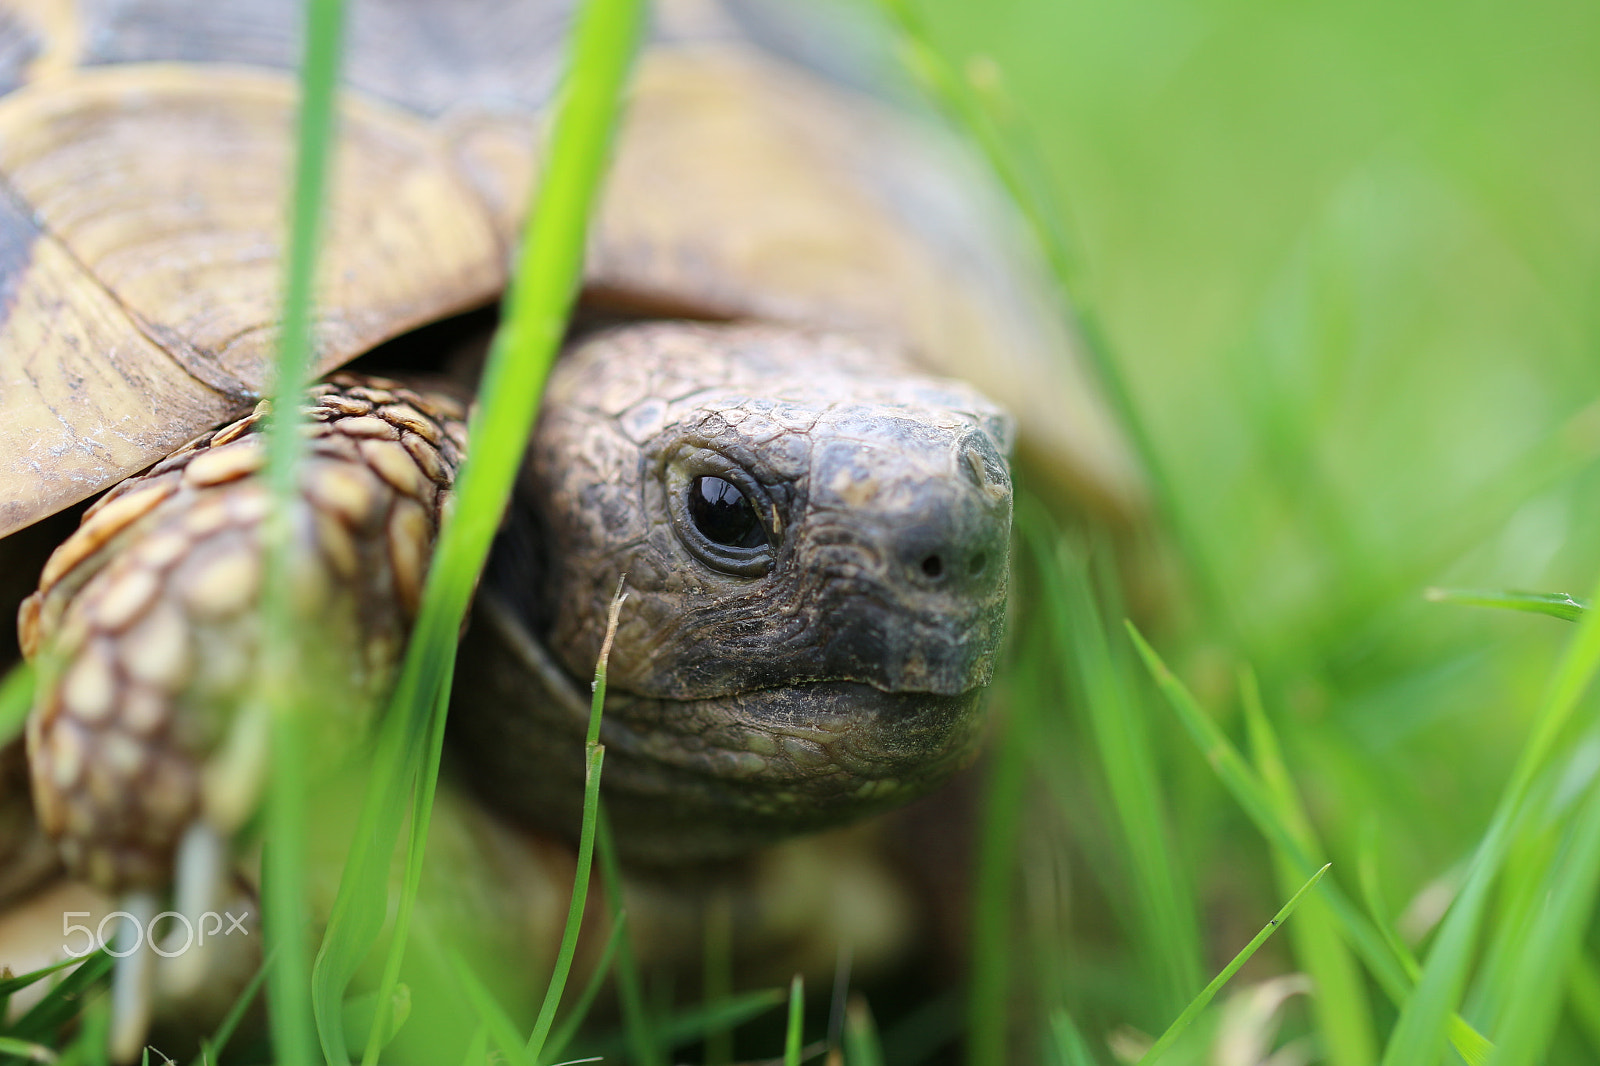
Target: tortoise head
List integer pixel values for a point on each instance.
(814, 542)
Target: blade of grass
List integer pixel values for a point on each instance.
(1199, 1002)
(542, 290)
(717, 971)
(1419, 1035)
(16, 699)
(281, 691)
(1253, 798)
(861, 1046)
(1583, 993)
(730, 1013)
(26, 1049)
(797, 1016)
(490, 1014)
(1548, 951)
(91, 1045)
(594, 756)
(1165, 911)
(63, 1001)
(380, 1018)
(8, 985)
(1372, 899)
(477, 1048)
(580, 1010)
(1555, 604)
(975, 105)
(992, 956)
(214, 1047)
(360, 907)
(645, 1045)
(1070, 1047)
(1520, 893)
(416, 845)
(1339, 1000)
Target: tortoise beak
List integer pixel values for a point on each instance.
(914, 547)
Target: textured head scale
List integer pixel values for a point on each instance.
(815, 544)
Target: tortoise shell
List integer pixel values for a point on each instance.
(145, 161)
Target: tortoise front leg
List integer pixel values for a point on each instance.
(145, 632)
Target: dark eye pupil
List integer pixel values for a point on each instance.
(724, 515)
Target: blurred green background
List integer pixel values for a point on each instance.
(1346, 256)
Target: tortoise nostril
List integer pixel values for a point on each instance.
(980, 563)
(933, 566)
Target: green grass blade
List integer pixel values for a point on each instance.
(1549, 949)
(730, 1013)
(1165, 910)
(580, 892)
(477, 1048)
(1470, 1044)
(1339, 998)
(230, 1022)
(536, 309)
(502, 1031)
(379, 1016)
(421, 817)
(16, 699)
(1199, 1002)
(1555, 604)
(1070, 1047)
(568, 1028)
(992, 909)
(64, 1000)
(1424, 1020)
(1372, 899)
(91, 1043)
(26, 1049)
(792, 1036)
(861, 1044)
(8, 985)
(358, 910)
(594, 754)
(282, 690)
(1251, 795)
(1583, 993)
(717, 971)
(975, 105)
(645, 1046)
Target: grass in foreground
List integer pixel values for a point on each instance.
(537, 308)
(1347, 308)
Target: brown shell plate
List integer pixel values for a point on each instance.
(145, 154)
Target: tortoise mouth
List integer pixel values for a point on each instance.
(809, 730)
(718, 776)
(699, 778)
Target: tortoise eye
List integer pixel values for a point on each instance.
(724, 515)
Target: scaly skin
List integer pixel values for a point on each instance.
(828, 676)
(144, 626)
(828, 672)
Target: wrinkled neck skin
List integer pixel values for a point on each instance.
(810, 650)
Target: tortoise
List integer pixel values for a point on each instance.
(759, 421)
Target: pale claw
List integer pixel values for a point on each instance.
(131, 991)
(201, 870)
